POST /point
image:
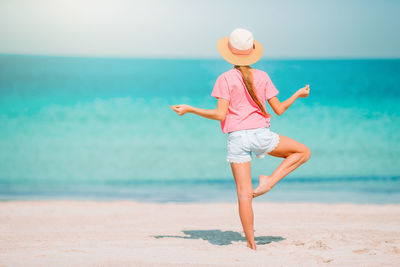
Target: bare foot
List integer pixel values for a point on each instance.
(263, 187)
(252, 246)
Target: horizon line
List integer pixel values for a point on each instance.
(190, 58)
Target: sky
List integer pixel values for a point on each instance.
(191, 29)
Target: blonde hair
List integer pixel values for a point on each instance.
(248, 81)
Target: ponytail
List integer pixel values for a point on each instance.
(248, 81)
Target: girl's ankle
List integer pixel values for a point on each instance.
(252, 246)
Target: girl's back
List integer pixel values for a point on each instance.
(243, 112)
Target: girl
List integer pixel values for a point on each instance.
(241, 93)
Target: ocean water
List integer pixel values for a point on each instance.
(102, 128)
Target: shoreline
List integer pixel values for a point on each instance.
(131, 233)
(360, 190)
(256, 201)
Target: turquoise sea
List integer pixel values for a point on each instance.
(102, 128)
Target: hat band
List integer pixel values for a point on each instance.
(240, 52)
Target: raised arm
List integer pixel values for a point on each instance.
(218, 114)
(280, 107)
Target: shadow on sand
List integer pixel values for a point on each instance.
(222, 238)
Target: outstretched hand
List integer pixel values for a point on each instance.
(303, 92)
(180, 109)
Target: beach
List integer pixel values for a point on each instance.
(98, 166)
(97, 170)
(129, 233)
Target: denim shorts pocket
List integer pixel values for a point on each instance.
(264, 137)
(234, 144)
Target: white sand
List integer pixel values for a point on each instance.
(89, 233)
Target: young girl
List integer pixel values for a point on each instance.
(241, 93)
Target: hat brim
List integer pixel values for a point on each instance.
(240, 60)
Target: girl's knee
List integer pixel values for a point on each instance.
(245, 195)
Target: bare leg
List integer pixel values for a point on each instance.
(295, 154)
(242, 174)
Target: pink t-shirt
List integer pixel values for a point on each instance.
(243, 112)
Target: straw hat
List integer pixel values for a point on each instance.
(240, 48)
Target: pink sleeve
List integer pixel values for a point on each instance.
(221, 88)
(270, 89)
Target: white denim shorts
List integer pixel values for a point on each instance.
(241, 144)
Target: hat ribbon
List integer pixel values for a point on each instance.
(240, 52)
